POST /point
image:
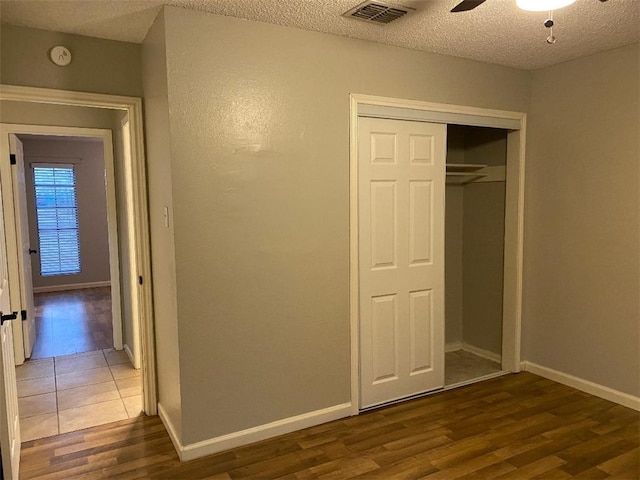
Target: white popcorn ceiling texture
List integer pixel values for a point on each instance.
(495, 32)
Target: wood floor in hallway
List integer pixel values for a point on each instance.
(517, 426)
(73, 321)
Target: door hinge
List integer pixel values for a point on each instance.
(23, 315)
(12, 159)
(4, 318)
(140, 279)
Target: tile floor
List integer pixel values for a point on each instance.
(461, 365)
(71, 392)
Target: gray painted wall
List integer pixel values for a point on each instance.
(154, 64)
(260, 167)
(453, 231)
(582, 232)
(483, 244)
(102, 66)
(88, 161)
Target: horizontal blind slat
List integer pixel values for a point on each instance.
(57, 220)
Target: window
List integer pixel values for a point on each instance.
(57, 218)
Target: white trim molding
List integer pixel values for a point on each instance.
(142, 267)
(586, 386)
(71, 286)
(481, 352)
(254, 434)
(515, 124)
(452, 347)
(171, 429)
(129, 353)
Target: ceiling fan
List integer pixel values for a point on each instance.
(531, 5)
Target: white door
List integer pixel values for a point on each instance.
(27, 334)
(9, 420)
(401, 180)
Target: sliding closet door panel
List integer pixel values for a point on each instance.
(401, 258)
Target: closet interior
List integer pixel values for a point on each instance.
(474, 252)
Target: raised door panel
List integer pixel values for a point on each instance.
(420, 226)
(421, 314)
(384, 338)
(401, 258)
(383, 224)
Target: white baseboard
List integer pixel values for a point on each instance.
(171, 430)
(596, 389)
(255, 434)
(71, 286)
(453, 347)
(481, 352)
(132, 358)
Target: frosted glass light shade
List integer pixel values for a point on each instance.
(542, 5)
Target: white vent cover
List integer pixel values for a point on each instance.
(377, 12)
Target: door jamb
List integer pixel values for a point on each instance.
(133, 106)
(114, 256)
(514, 221)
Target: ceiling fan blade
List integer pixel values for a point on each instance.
(466, 5)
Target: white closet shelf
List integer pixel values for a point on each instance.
(460, 178)
(463, 167)
(463, 173)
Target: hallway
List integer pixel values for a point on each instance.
(74, 378)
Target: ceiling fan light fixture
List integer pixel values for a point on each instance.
(543, 5)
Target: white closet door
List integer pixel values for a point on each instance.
(401, 183)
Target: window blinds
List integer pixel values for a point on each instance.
(57, 219)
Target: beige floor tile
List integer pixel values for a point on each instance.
(35, 369)
(91, 415)
(79, 363)
(84, 377)
(87, 395)
(133, 405)
(40, 426)
(37, 405)
(116, 357)
(36, 386)
(124, 371)
(129, 387)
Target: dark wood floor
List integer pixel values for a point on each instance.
(516, 426)
(73, 321)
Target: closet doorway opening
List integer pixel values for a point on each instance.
(474, 252)
(388, 150)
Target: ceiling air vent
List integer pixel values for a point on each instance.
(377, 12)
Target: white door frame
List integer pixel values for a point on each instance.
(133, 107)
(114, 257)
(515, 122)
(133, 350)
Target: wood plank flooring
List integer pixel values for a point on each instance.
(512, 427)
(73, 321)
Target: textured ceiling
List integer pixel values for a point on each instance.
(495, 32)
